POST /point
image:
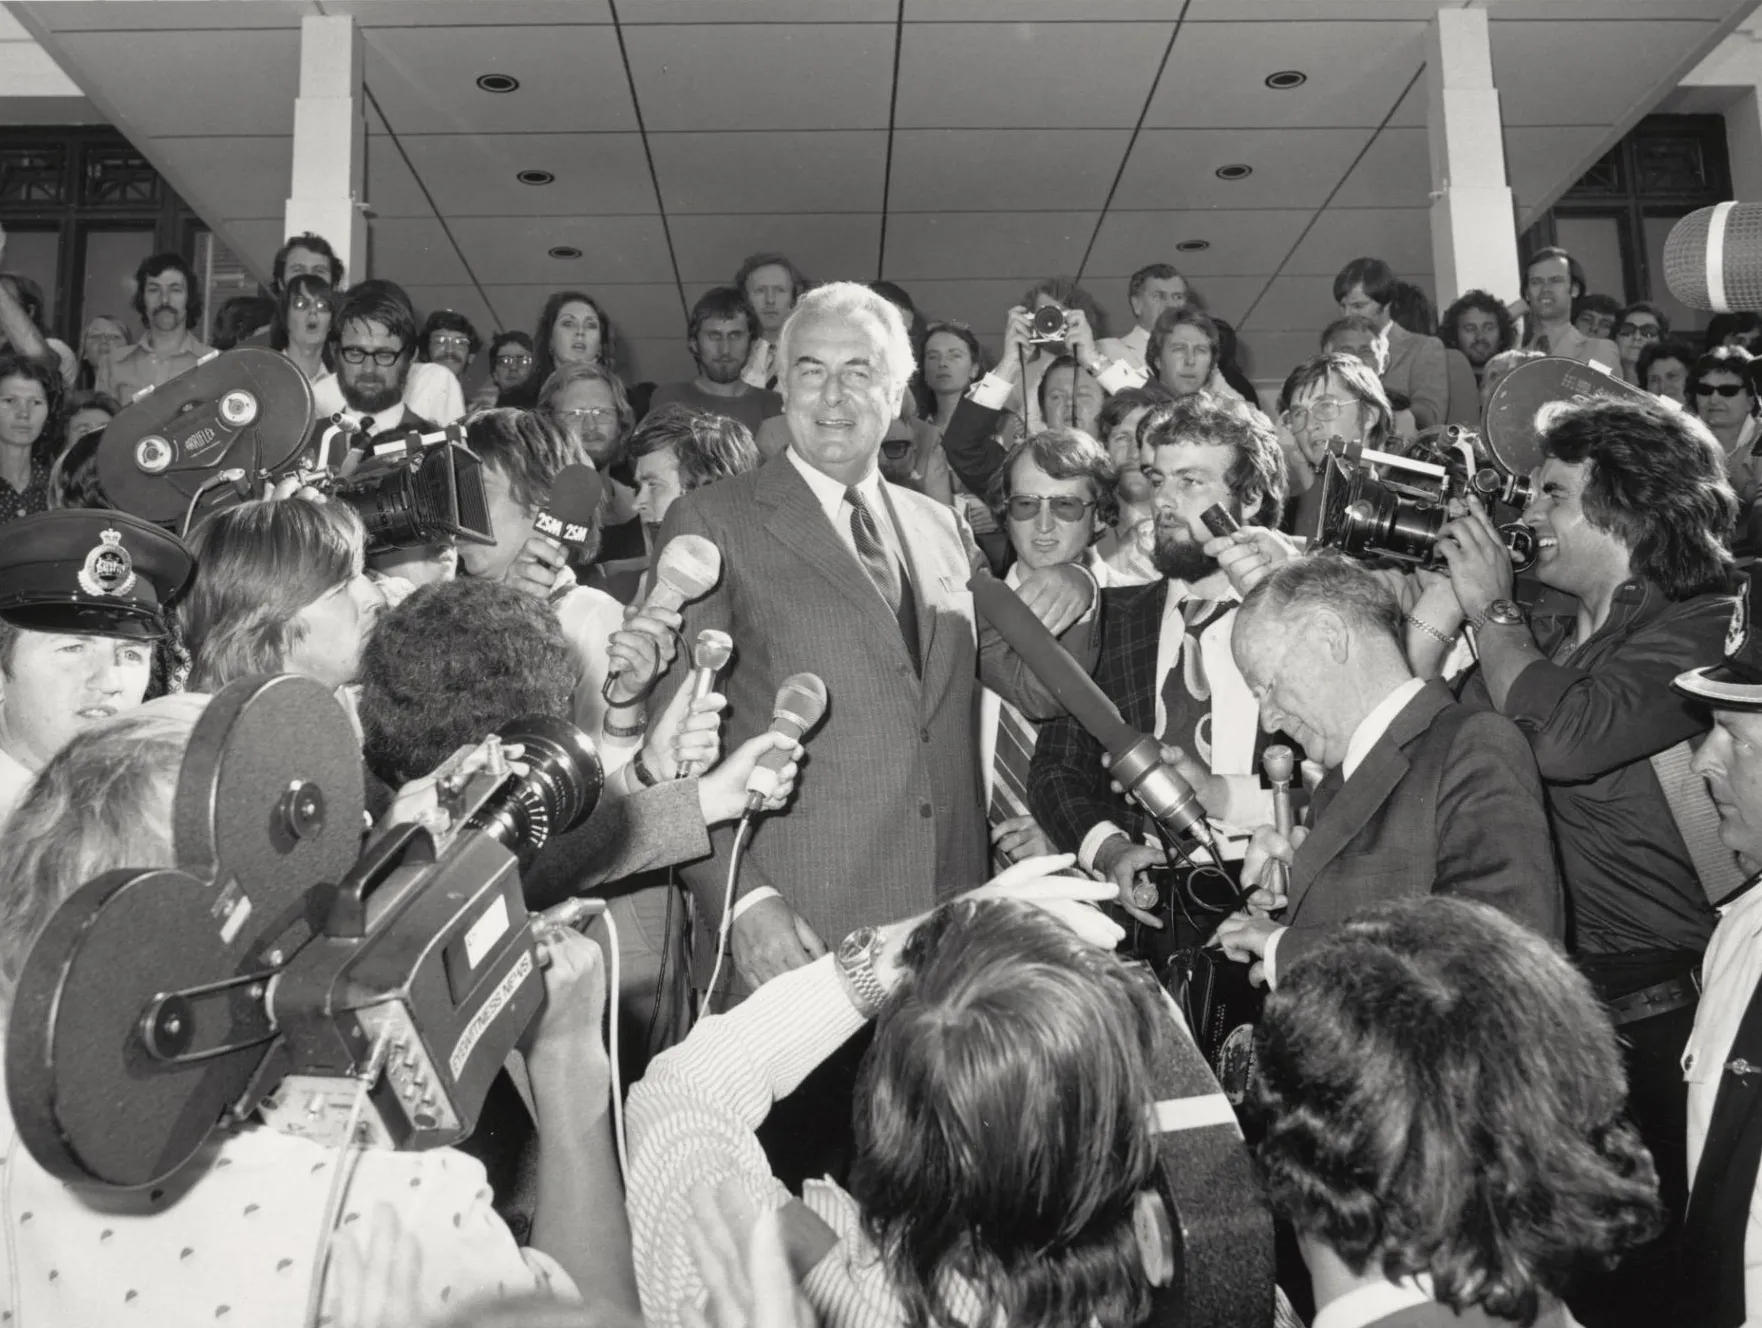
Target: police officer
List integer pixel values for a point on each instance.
(83, 597)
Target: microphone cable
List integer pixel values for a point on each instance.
(725, 929)
(347, 1153)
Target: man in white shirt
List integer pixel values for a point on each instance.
(1422, 794)
(374, 341)
(83, 596)
(1152, 290)
(1722, 1263)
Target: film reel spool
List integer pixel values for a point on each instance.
(91, 1101)
(1510, 427)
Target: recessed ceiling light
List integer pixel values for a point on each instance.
(1192, 246)
(497, 82)
(545, 177)
(1235, 171)
(565, 251)
(1287, 79)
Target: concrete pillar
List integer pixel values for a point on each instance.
(1474, 234)
(1729, 81)
(330, 141)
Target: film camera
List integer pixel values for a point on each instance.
(277, 966)
(1049, 325)
(212, 436)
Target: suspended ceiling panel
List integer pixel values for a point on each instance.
(960, 147)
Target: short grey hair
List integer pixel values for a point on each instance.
(1330, 580)
(104, 801)
(846, 299)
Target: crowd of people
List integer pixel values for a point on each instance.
(887, 1025)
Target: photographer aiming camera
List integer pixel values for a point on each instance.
(1631, 515)
(231, 1236)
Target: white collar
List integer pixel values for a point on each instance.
(1374, 725)
(829, 491)
(1366, 1304)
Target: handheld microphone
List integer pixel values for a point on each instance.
(1713, 258)
(801, 702)
(1280, 763)
(687, 569)
(1136, 757)
(567, 520)
(708, 658)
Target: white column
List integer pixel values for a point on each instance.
(1474, 232)
(330, 141)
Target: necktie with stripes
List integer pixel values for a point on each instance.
(1009, 771)
(883, 569)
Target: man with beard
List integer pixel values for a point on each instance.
(1164, 651)
(449, 340)
(1480, 327)
(373, 337)
(169, 303)
(723, 328)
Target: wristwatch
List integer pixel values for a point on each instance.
(856, 970)
(1502, 613)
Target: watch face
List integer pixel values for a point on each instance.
(856, 945)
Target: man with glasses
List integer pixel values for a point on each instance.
(510, 365)
(373, 336)
(1164, 651)
(1055, 496)
(449, 340)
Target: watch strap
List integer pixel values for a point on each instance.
(855, 962)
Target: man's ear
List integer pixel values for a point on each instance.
(1331, 633)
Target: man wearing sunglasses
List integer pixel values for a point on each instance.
(1164, 651)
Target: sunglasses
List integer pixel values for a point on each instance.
(1026, 507)
(1644, 331)
(895, 449)
(1718, 389)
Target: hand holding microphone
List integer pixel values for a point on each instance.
(688, 569)
(1279, 762)
(759, 775)
(567, 524)
(708, 658)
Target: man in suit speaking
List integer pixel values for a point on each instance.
(1422, 795)
(828, 569)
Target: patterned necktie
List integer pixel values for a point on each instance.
(883, 569)
(1186, 691)
(1009, 771)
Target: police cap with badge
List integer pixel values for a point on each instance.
(1735, 684)
(83, 572)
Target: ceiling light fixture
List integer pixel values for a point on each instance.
(565, 251)
(1286, 79)
(1192, 246)
(535, 177)
(497, 82)
(1235, 171)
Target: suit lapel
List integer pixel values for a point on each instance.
(1140, 633)
(1364, 794)
(799, 523)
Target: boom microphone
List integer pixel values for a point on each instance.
(1136, 758)
(801, 702)
(568, 518)
(1713, 258)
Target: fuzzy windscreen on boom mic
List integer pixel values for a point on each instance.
(569, 516)
(1713, 258)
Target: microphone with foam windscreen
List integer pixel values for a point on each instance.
(1713, 258)
(708, 658)
(1136, 757)
(801, 702)
(687, 569)
(568, 518)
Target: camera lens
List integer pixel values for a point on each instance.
(1049, 321)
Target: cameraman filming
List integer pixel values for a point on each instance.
(1631, 516)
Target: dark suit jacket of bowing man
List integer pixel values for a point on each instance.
(1447, 801)
(887, 817)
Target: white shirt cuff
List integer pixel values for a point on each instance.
(1119, 375)
(1099, 833)
(1269, 960)
(991, 392)
(757, 895)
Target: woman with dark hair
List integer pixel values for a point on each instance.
(1636, 327)
(1721, 396)
(953, 362)
(301, 327)
(30, 397)
(572, 329)
(1443, 1100)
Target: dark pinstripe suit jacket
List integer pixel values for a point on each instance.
(887, 816)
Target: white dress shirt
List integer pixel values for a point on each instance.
(1131, 348)
(430, 391)
(830, 494)
(1368, 733)
(1729, 973)
(1366, 1304)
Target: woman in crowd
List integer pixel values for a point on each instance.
(1443, 1100)
(105, 337)
(232, 1236)
(1720, 394)
(30, 394)
(1637, 327)
(1665, 368)
(1325, 399)
(953, 362)
(572, 329)
(281, 587)
(301, 330)
(588, 402)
